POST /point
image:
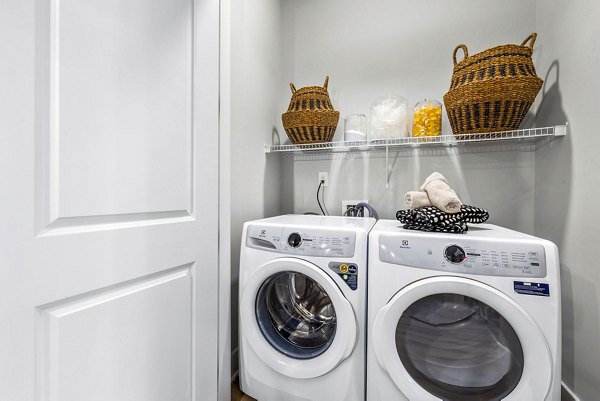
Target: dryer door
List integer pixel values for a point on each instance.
(456, 339)
(296, 318)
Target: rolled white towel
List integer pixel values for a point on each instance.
(415, 199)
(440, 194)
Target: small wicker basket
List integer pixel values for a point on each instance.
(493, 90)
(310, 117)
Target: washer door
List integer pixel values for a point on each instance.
(456, 339)
(296, 318)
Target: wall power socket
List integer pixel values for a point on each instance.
(351, 204)
(324, 177)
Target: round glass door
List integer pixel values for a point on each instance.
(459, 348)
(296, 315)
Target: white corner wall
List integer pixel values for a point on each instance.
(370, 49)
(567, 177)
(255, 81)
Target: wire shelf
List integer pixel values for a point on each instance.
(443, 140)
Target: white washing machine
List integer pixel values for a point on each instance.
(303, 293)
(462, 317)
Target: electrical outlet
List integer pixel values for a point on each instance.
(324, 178)
(350, 204)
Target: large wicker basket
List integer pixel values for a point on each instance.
(310, 117)
(493, 90)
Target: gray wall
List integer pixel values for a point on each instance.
(256, 81)
(500, 181)
(567, 177)
(370, 49)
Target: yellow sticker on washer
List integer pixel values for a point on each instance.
(343, 268)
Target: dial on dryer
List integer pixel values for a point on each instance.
(455, 254)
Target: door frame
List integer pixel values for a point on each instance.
(207, 36)
(223, 16)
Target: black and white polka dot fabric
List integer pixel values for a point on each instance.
(432, 219)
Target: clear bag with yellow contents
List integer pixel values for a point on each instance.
(427, 118)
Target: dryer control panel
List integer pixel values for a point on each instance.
(472, 256)
(302, 241)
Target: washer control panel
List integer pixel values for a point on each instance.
(302, 241)
(469, 256)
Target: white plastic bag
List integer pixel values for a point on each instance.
(389, 117)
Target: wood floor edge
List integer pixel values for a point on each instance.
(237, 394)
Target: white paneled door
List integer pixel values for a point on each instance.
(108, 200)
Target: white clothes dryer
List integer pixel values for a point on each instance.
(462, 317)
(303, 293)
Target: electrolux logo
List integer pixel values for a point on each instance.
(405, 244)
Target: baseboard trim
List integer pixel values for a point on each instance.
(235, 365)
(567, 394)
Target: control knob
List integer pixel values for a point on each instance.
(455, 254)
(294, 240)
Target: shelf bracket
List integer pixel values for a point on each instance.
(387, 165)
(560, 130)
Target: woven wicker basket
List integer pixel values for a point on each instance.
(310, 117)
(493, 90)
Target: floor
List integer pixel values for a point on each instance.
(237, 395)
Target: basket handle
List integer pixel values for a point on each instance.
(293, 88)
(465, 52)
(326, 82)
(531, 38)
